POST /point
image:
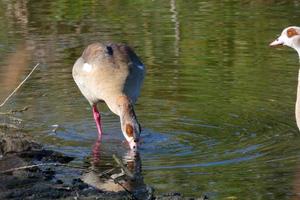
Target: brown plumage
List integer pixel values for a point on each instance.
(112, 73)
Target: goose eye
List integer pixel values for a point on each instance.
(109, 50)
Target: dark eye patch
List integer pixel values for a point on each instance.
(129, 130)
(291, 32)
(109, 50)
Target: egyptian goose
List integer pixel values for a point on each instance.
(290, 37)
(112, 73)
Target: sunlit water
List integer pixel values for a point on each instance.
(217, 106)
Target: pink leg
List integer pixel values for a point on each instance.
(97, 118)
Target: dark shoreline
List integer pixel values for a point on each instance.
(50, 177)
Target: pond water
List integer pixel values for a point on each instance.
(217, 105)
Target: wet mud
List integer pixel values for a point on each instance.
(29, 171)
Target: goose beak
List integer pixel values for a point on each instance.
(277, 42)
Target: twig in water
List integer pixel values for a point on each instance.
(15, 111)
(20, 110)
(126, 171)
(106, 172)
(37, 165)
(120, 184)
(7, 98)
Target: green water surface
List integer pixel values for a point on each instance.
(217, 106)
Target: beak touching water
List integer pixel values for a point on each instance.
(132, 134)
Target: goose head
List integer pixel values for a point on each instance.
(290, 37)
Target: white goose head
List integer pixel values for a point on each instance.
(290, 37)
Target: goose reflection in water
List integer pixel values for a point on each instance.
(127, 178)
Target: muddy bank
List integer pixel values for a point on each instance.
(29, 171)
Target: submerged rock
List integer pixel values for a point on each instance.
(15, 142)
